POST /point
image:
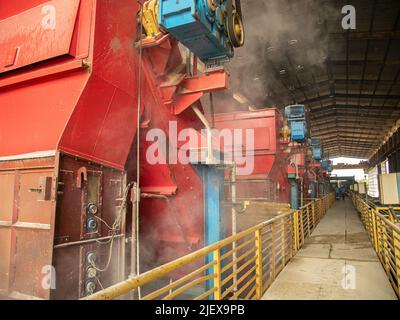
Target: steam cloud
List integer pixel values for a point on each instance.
(276, 30)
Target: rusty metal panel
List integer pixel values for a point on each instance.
(26, 232)
(83, 183)
(6, 214)
(5, 249)
(71, 265)
(38, 34)
(32, 253)
(7, 197)
(32, 235)
(30, 209)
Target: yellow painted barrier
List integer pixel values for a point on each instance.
(242, 266)
(384, 234)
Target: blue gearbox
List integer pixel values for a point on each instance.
(209, 28)
(316, 149)
(296, 116)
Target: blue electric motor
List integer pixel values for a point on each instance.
(209, 28)
(296, 116)
(316, 149)
(325, 164)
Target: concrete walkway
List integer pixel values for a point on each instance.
(336, 263)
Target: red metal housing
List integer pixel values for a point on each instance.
(68, 118)
(268, 180)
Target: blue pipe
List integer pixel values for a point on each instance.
(321, 189)
(214, 230)
(294, 194)
(214, 222)
(313, 190)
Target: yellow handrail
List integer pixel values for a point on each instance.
(384, 235)
(223, 271)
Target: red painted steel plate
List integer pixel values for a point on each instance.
(37, 34)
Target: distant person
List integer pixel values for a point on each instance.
(343, 193)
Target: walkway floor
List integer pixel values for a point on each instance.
(336, 263)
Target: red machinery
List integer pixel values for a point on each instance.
(284, 170)
(268, 180)
(313, 178)
(69, 89)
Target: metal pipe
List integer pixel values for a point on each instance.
(313, 172)
(76, 243)
(297, 167)
(302, 192)
(205, 122)
(294, 194)
(195, 65)
(189, 63)
(234, 218)
(134, 235)
(135, 267)
(154, 196)
(212, 110)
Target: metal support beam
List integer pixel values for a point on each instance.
(368, 62)
(365, 35)
(352, 96)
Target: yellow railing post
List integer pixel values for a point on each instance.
(217, 275)
(283, 244)
(259, 266)
(381, 242)
(313, 214)
(374, 230)
(301, 223)
(273, 253)
(295, 230)
(386, 248)
(396, 242)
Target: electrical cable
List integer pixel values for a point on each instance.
(105, 223)
(115, 228)
(101, 285)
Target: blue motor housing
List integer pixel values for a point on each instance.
(316, 149)
(296, 116)
(295, 112)
(298, 131)
(317, 153)
(201, 30)
(325, 164)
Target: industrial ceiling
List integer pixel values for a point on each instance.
(298, 52)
